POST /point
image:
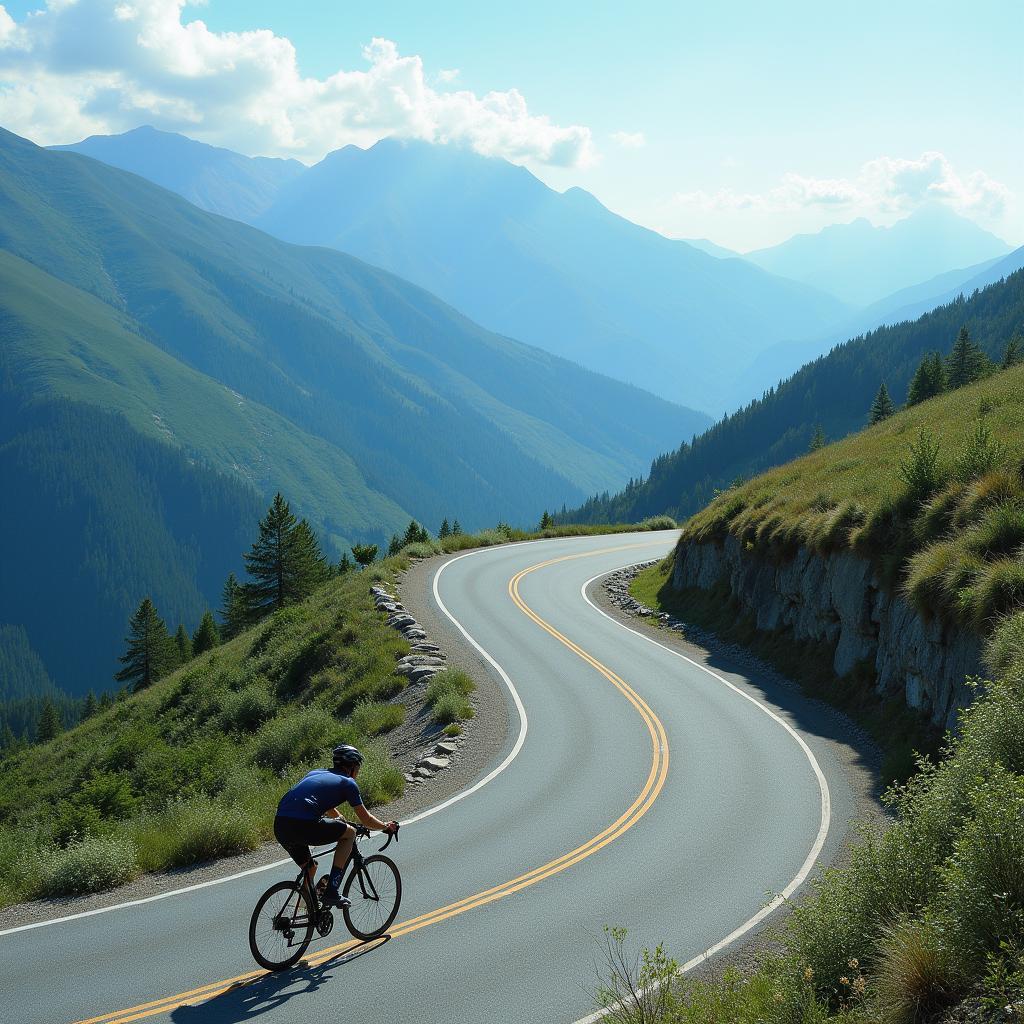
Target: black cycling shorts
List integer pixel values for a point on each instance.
(296, 835)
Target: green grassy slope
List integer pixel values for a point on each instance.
(955, 543)
(435, 412)
(834, 391)
(193, 766)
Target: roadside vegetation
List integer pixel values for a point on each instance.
(925, 923)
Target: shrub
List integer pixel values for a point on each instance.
(199, 829)
(920, 470)
(913, 975)
(1004, 650)
(452, 730)
(995, 488)
(380, 780)
(295, 736)
(982, 453)
(246, 710)
(373, 717)
(447, 695)
(95, 864)
(658, 523)
(422, 549)
(983, 896)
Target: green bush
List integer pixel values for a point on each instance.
(1004, 650)
(1000, 532)
(981, 454)
(658, 523)
(246, 710)
(295, 736)
(422, 549)
(95, 864)
(380, 780)
(999, 590)
(914, 979)
(447, 695)
(983, 890)
(194, 830)
(374, 717)
(920, 470)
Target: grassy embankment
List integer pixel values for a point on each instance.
(192, 767)
(926, 922)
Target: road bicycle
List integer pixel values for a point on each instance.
(287, 914)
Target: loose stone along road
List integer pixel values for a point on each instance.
(637, 787)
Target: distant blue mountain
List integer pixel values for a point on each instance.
(712, 248)
(862, 264)
(559, 271)
(236, 186)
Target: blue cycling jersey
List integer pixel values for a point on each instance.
(318, 792)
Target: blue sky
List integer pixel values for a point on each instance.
(744, 122)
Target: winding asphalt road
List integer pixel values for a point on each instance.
(641, 789)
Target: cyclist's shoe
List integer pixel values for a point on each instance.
(332, 898)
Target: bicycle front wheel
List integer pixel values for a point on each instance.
(375, 889)
(281, 926)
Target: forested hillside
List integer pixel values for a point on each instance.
(96, 515)
(832, 395)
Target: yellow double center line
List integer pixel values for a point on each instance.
(652, 787)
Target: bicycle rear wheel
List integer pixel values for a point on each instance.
(281, 926)
(375, 890)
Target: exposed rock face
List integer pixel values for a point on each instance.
(836, 599)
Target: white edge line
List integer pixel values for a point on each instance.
(816, 847)
(517, 746)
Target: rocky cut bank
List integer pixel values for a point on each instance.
(836, 599)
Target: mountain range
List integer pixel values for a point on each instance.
(861, 264)
(557, 270)
(233, 365)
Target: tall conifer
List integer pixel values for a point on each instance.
(183, 644)
(207, 636)
(929, 379)
(268, 561)
(966, 363)
(882, 407)
(151, 651)
(49, 724)
(1014, 352)
(234, 608)
(89, 706)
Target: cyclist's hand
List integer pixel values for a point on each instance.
(391, 827)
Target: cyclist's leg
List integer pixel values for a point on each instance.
(291, 834)
(335, 830)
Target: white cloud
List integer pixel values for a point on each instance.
(629, 140)
(883, 186)
(447, 75)
(93, 66)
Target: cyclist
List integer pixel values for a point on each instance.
(308, 814)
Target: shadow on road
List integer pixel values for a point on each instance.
(250, 999)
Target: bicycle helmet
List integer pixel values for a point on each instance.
(346, 756)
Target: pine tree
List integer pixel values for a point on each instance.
(882, 407)
(345, 565)
(269, 563)
(105, 700)
(966, 363)
(364, 554)
(929, 379)
(49, 724)
(445, 530)
(309, 568)
(1014, 352)
(818, 440)
(151, 651)
(8, 741)
(183, 645)
(394, 545)
(415, 534)
(207, 636)
(456, 529)
(89, 706)
(545, 521)
(234, 609)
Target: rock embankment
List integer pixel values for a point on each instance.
(419, 666)
(837, 599)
